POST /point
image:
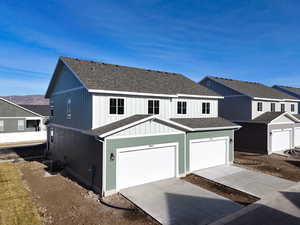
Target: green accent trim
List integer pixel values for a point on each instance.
(113, 144)
(208, 134)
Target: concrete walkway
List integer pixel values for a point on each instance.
(280, 208)
(177, 202)
(248, 181)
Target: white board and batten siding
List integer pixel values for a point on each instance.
(144, 164)
(19, 137)
(146, 129)
(267, 107)
(208, 152)
(139, 105)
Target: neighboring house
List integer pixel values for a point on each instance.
(116, 126)
(267, 116)
(293, 91)
(21, 124)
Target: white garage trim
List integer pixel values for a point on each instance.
(146, 147)
(203, 140)
(283, 147)
(297, 136)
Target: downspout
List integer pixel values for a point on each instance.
(103, 164)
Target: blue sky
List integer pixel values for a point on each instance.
(248, 40)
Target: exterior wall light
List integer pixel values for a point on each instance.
(112, 157)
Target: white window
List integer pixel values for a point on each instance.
(259, 106)
(292, 108)
(21, 124)
(116, 106)
(205, 108)
(181, 107)
(1, 125)
(153, 106)
(69, 109)
(272, 107)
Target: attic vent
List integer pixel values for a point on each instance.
(93, 68)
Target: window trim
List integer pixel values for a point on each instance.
(292, 107)
(153, 106)
(206, 112)
(19, 127)
(259, 106)
(116, 114)
(282, 105)
(69, 108)
(1, 125)
(181, 112)
(273, 103)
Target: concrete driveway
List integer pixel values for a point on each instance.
(248, 181)
(176, 202)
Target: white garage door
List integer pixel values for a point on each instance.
(207, 153)
(281, 139)
(297, 137)
(143, 165)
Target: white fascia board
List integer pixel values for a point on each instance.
(278, 100)
(200, 96)
(288, 115)
(129, 93)
(176, 124)
(217, 128)
(126, 126)
(21, 107)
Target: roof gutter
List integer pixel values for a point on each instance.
(275, 99)
(216, 128)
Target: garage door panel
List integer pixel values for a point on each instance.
(297, 137)
(145, 165)
(205, 154)
(281, 140)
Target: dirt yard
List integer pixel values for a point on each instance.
(63, 202)
(234, 195)
(16, 205)
(276, 165)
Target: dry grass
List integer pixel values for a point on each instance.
(16, 206)
(20, 144)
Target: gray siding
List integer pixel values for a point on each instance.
(10, 110)
(65, 80)
(290, 93)
(252, 137)
(81, 109)
(81, 153)
(113, 144)
(209, 134)
(235, 108)
(11, 125)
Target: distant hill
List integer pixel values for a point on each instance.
(28, 99)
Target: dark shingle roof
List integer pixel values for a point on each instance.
(267, 117)
(118, 124)
(297, 116)
(290, 89)
(43, 110)
(102, 76)
(252, 89)
(198, 123)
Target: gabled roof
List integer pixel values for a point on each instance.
(43, 110)
(196, 124)
(21, 107)
(252, 89)
(289, 89)
(97, 76)
(268, 117)
(131, 121)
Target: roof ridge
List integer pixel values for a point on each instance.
(116, 65)
(230, 79)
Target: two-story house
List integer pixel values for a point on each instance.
(117, 126)
(267, 116)
(293, 91)
(22, 124)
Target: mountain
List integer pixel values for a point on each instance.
(28, 99)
